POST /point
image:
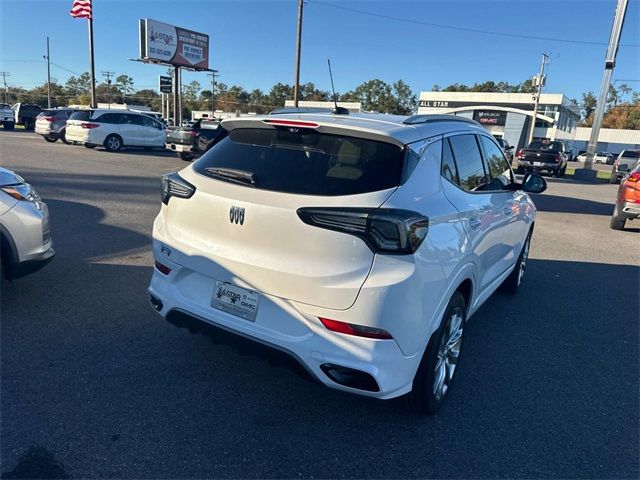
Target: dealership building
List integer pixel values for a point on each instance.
(509, 115)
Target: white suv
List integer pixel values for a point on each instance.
(357, 244)
(114, 129)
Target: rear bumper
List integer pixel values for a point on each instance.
(288, 328)
(174, 147)
(538, 166)
(630, 211)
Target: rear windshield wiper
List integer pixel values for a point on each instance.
(233, 175)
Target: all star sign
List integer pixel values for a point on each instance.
(173, 45)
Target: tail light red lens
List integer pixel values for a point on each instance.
(634, 177)
(90, 125)
(355, 330)
(520, 153)
(162, 268)
(558, 157)
(47, 119)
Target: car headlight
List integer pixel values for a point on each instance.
(22, 191)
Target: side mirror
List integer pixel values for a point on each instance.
(510, 147)
(534, 183)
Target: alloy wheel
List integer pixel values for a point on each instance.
(448, 353)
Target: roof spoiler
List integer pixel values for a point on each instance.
(419, 119)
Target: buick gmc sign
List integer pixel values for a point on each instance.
(490, 117)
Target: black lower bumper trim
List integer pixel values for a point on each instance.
(276, 356)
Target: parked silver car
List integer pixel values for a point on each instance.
(25, 238)
(52, 123)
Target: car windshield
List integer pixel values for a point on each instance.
(304, 161)
(545, 145)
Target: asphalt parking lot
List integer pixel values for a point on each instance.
(95, 384)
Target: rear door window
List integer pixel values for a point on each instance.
(448, 167)
(305, 161)
(471, 171)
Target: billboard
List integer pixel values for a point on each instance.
(177, 46)
(166, 84)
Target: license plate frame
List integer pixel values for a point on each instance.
(238, 301)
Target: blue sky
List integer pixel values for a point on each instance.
(253, 42)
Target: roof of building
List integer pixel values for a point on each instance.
(611, 135)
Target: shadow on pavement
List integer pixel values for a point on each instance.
(560, 204)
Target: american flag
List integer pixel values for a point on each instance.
(81, 9)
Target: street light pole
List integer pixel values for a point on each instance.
(48, 76)
(296, 86)
(609, 65)
(539, 81)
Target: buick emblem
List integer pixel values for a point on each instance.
(236, 215)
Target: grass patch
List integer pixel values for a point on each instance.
(602, 175)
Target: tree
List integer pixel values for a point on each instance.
(406, 100)
(613, 96)
(374, 95)
(308, 91)
(190, 92)
(589, 102)
(78, 85)
(436, 88)
(124, 84)
(279, 93)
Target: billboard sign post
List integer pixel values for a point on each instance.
(177, 46)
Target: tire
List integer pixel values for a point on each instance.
(113, 143)
(563, 171)
(50, 139)
(63, 136)
(439, 361)
(555, 173)
(28, 124)
(598, 162)
(616, 222)
(513, 282)
(9, 125)
(187, 157)
(89, 145)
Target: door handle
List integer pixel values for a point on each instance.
(475, 222)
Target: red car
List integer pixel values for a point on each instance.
(628, 201)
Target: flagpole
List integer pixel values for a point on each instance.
(93, 74)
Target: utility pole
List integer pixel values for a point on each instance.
(108, 76)
(177, 90)
(609, 65)
(296, 86)
(540, 80)
(48, 75)
(92, 71)
(213, 76)
(6, 90)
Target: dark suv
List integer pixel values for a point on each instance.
(623, 164)
(51, 123)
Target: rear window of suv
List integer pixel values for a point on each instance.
(545, 145)
(82, 115)
(631, 154)
(304, 161)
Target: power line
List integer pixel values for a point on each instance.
(465, 29)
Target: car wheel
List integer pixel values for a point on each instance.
(187, 157)
(512, 283)
(9, 125)
(598, 162)
(28, 124)
(438, 364)
(616, 222)
(89, 145)
(563, 171)
(113, 143)
(50, 139)
(63, 136)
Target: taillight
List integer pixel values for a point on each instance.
(356, 330)
(384, 230)
(520, 153)
(47, 119)
(558, 157)
(173, 185)
(90, 125)
(162, 268)
(291, 123)
(193, 133)
(634, 177)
